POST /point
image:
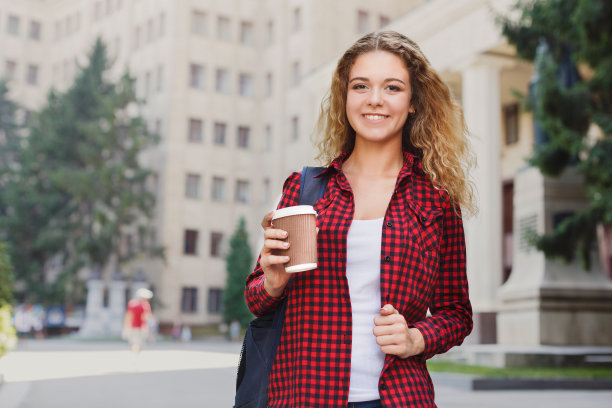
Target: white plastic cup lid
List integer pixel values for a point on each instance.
(295, 210)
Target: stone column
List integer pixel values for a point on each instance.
(93, 324)
(482, 110)
(116, 304)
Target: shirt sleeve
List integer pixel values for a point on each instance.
(257, 298)
(451, 310)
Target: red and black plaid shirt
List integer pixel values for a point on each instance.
(422, 266)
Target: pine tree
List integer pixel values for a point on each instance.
(579, 29)
(239, 263)
(79, 191)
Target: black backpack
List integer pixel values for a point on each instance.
(263, 333)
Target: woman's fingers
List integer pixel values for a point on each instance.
(267, 220)
(275, 244)
(275, 260)
(272, 233)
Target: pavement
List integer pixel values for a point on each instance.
(69, 373)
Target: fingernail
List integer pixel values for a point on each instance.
(284, 233)
(286, 244)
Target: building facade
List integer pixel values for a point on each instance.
(234, 89)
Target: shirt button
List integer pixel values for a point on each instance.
(387, 258)
(389, 224)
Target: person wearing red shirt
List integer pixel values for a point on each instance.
(391, 246)
(135, 328)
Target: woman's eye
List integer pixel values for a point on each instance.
(394, 88)
(359, 86)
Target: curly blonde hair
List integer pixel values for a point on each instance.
(436, 132)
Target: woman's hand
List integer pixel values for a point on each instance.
(276, 277)
(394, 336)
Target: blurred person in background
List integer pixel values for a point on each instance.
(135, 328)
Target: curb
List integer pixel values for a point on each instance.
(490, 384)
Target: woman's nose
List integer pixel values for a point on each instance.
(375, 97)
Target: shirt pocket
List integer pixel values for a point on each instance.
(425, 228)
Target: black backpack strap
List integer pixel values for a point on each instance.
(311, 187)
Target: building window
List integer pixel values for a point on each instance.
(216, 239)
(195, 130)
(189, 300)
(160, 78)
(109, 7)
(198, 23)
(34, 30)
(269, 84)
(162, 24)
(267, 138)
(219, 134)
(511, 123)
(297, 19)
(32, 76)
(243, 137)
(158, 127)
(77, 23)
(218, 189)
(191, 242)
(265, 192)
(224, 29)
(13, 25)
(196, 76)
(242, 191)
(137, 38)
(214, 300)
(58, 30)
(149, 31)
(147, 86)
(9, 69)
(295, 128)
(246, 85)
(295, 73)
(98, 11)
(383, 21)
(270, 32)
(68, 25)
(246, 33)
(192, 186)
(222, 81)
(363, 25)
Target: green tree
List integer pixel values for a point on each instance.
(239, 263)
(78, 196)
(8, 335)
(582, 30)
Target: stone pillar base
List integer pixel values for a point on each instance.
(547, 301)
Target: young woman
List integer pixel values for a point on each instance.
(390, 242)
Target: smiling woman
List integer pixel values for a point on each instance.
(390, 242)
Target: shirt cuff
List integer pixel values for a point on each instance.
(429, 337)
(265, 302)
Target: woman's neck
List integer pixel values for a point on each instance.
(374, 160)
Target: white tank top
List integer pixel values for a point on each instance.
(363, 275)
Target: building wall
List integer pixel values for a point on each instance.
(157, 42)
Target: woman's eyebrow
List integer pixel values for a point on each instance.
(364, 79)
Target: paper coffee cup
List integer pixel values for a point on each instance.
(300, 222)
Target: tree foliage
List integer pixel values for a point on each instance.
(580, 30)
(8, 335)
(77, 194)
(239, 263)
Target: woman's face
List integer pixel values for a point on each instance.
(378, 97)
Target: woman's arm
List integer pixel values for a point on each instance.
(451, 319)
(263, 297)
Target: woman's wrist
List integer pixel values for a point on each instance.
(273, 291)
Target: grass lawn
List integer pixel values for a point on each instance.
(522, 372)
